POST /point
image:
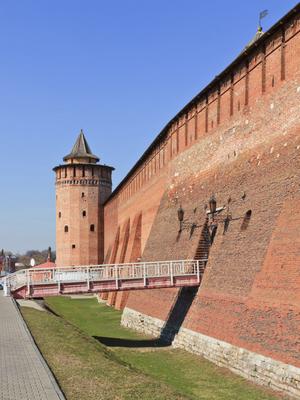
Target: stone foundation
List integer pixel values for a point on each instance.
(255, 367)
(142, 323)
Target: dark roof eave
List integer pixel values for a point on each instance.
(204, 91)
(82, 165)
(72, 156)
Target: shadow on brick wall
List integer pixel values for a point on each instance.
(178, 313)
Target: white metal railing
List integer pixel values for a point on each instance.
(105, 272)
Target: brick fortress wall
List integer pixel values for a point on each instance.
(239, 139)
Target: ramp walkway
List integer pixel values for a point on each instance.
(23, 373)
(42, 282)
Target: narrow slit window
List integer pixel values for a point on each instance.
(92, 228)
(246, 220)
(66, 228)
(84, 213)
(73, 246)
(59, 215)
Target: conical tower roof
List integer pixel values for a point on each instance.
(81, 149)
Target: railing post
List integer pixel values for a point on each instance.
(171, 273)
(116, 277)
(58, 282)
(6, 287)
(28, 282)
(198, 271)
(88, 278)
(144, 274)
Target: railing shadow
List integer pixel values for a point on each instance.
(179, 310)
(130, 343)
(177, 314)
(176, 317)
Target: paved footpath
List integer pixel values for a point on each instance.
(23, 372)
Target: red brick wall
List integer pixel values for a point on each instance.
(140, 205)
(145, 202)
(244, 144)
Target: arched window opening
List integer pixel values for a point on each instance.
(59, 215)
(92, 228)
(246, 220)
(73, 246)
(82, 195)
(66, 228)
(84, 213)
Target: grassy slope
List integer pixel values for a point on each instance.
(186, 373)
(85, 369)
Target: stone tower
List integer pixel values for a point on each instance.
(82, 187)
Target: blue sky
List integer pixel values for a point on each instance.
(118, 69)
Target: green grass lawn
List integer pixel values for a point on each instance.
(189, 375)
(87, 370)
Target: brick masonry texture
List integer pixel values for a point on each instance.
(239, 139)
(81, 190)
(245, 147)
(263, 370)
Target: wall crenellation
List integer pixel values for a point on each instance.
(259, 71)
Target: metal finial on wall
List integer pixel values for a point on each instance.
(262, 15)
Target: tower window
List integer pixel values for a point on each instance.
(59, 215)
(66, 228)
(73, 246)
(82, 194)
(84, 213)
(92, 228)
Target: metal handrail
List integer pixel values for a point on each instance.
(104, 272)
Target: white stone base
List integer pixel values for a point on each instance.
(255, 367)
(142, 323)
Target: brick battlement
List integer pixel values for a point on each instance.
(259, 70)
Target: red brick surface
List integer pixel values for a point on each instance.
(80, 189)
(243, 144)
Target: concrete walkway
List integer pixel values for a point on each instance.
(24, 374)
